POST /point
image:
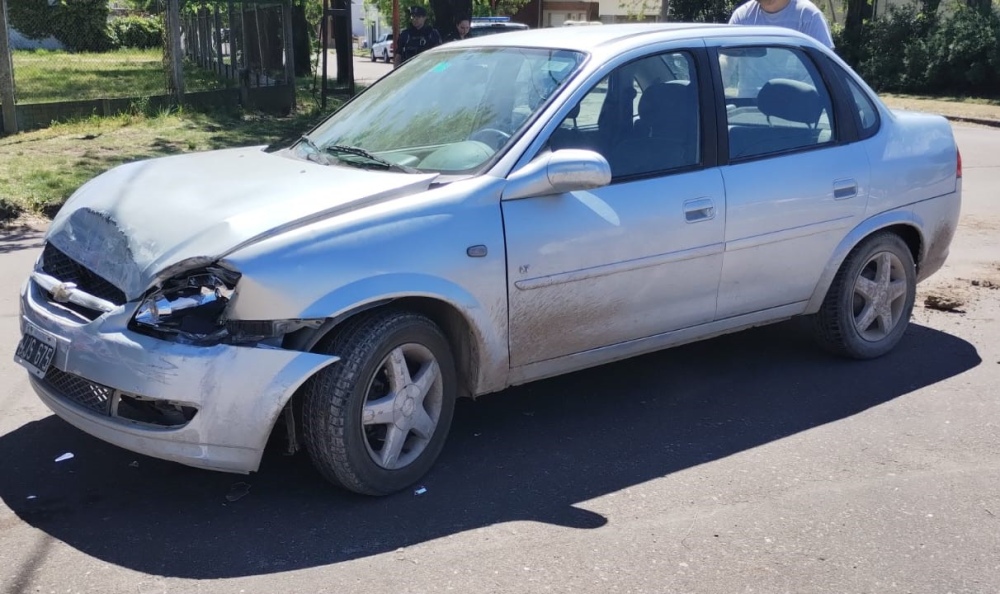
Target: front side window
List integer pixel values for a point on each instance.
(776, 101)
(643, 117)
(446, 111)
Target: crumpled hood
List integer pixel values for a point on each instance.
(138, 220)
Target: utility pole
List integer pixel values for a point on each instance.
(6, 75)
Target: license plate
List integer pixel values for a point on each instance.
(36, 350)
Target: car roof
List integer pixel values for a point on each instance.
(587, 39)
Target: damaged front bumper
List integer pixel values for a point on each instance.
(205, 406)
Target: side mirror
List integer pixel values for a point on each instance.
(566, 170)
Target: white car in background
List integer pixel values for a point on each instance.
(383, 48)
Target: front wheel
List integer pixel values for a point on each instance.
(868, 306)
(375, 421)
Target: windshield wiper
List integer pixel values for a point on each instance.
(360, 152)
(318, 152)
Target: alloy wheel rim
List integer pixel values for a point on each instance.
(879, 296)
(402, 406)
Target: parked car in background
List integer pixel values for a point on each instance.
(494, 211)
(489, 25)
(383, 48)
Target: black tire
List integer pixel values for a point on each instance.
(843, 324)
(374, 59)
(385, 56)
(340, 444)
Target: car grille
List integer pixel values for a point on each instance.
(88, 394)
(60, 266)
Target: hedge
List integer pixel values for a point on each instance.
(81, 25)
(914, 52)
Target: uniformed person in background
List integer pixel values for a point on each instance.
(418, 37)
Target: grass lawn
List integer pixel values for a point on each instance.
(43, 76)
(40, 169)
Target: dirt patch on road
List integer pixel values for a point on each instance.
(955, 295)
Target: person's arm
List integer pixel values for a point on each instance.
(398, 45)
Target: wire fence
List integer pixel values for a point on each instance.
(242, 42)
(95, 50)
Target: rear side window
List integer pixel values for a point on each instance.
(864, 108)
(776, 101)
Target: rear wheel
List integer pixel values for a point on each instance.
(373, 56)
(385, 56)
(375, 421)
(868, 307)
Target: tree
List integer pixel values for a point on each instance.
(980, 6)
(698, 11)
(301, 39)
(858, 11)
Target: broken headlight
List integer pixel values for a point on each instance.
(190, 306)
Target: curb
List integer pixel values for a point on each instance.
(979, 121)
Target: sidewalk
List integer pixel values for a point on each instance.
(975, 113)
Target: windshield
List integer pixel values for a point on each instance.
(445, 111)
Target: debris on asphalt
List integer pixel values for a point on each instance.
(64, 457)
(420, 491)
(944, 303)
(237, 491)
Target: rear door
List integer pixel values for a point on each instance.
(794, 183)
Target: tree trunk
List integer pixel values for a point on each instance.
(858, 11)
(981, 6)
(301, 41)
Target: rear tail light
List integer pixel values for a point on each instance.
(958, 166)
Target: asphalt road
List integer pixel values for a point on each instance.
(365, 71)
(749, 463)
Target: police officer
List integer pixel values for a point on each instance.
(418, 37)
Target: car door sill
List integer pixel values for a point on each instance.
(632, 348)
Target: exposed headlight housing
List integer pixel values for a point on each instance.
(190, 306)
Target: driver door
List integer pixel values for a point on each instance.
(639, 257)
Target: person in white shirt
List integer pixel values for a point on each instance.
(800, 15)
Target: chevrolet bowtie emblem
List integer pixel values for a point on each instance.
(60, 292)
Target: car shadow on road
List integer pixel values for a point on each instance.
(15, 239)
(529, 453)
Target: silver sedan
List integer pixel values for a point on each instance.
(495, 211)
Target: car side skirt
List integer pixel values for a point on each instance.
(625, 350)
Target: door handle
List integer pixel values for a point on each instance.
(844, 188)
(699, 209)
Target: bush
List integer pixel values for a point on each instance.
(896, 51)
(916, 52)
(8, 211)
(136, 32)
(81, 25)
(964, 53)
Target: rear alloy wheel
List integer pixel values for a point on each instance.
(867, 310)
(375, 421)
